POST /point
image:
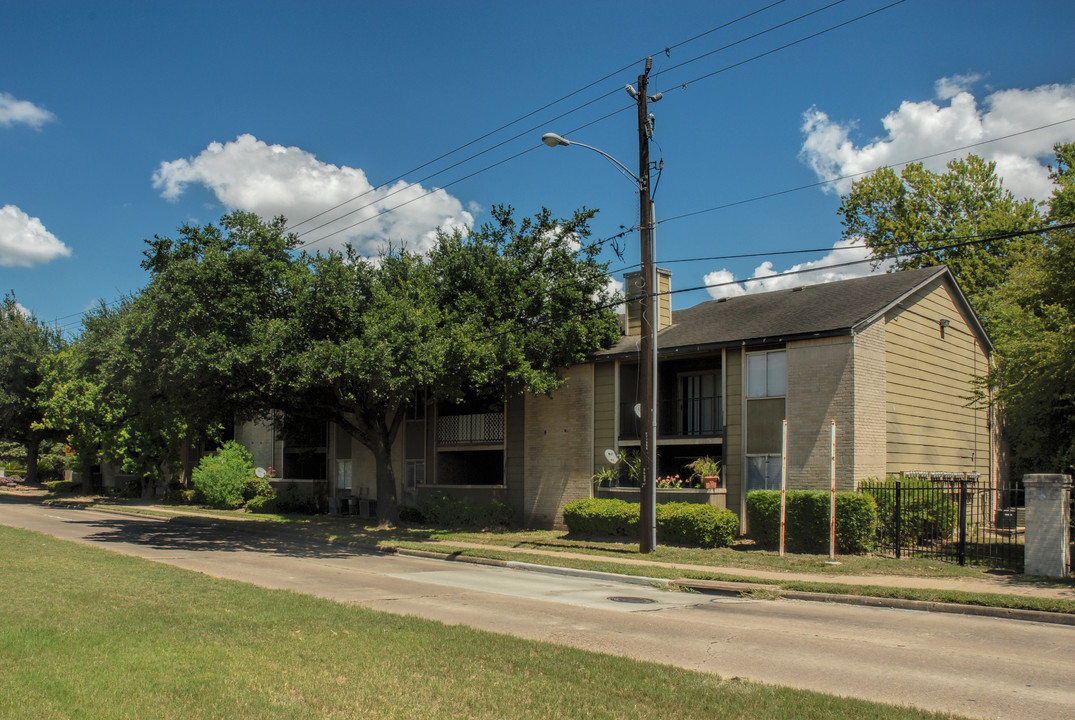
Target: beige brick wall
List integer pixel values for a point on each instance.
(558, 446)
(820, 390)
(869, 418)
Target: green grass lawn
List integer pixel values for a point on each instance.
(91, 634)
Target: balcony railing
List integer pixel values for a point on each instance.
(476, 429)
(691, 417)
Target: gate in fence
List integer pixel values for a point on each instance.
(953, 517)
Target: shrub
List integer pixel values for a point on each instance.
(290, 499)
(410, 514)
(856, 522)
(692, 524)
(927, 514)
(600, 516)
(60, 487)
(447, 512)
(255, 487)
(220, 477)
(262, 503)
(13, 469)
(696, 525)
(763, 517)
(807, 522)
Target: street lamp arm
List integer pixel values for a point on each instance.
(554, 140)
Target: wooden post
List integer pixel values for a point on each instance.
(783, 484)
(832, 493)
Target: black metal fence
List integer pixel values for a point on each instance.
(957, 518)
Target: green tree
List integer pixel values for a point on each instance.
(498, 311)
(185, 359)
(1034, 333)
(27, 345)
(919, 210)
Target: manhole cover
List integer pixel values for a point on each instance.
(629, 599)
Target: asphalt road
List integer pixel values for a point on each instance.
(974, 666)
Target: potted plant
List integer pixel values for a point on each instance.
(707, 470)
(606, 477)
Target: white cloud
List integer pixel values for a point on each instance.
(918, 129)
(830, 268)
(21, 111)
(24, 241)
(948, 87)
(271, 180)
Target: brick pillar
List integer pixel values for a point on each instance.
(1047, 519)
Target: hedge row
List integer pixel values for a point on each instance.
(807, 522)
(691, 524)
(450, 513)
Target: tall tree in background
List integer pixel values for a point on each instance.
(25, 346)
(78, 401)
(915, 214)
(501, 310)
(179, 360)
(1034, 331)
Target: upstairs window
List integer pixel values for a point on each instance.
(767, 374)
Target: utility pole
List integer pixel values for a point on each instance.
(647, 362)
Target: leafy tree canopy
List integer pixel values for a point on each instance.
(27, 344)
(1034, 333)
(496, 311)
(915, 215)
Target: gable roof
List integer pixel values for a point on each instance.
(827, 309)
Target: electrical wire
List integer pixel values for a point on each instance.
(505, 126)
(585, 125)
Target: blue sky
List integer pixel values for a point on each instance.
(120, 121)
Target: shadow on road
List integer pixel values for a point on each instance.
(182, 534)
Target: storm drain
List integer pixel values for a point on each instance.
(631, 599)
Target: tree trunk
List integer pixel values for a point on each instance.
(33, 451)
(387, 503)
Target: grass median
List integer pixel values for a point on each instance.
(90, 633)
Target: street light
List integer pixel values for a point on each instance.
(647, 360)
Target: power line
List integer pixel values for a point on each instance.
(822, 183)
(490, 133)
(571, 111)
(785, 46)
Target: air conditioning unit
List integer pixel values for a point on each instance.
(367, 508)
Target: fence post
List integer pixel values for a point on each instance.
(1048, 548)
(962, 521)
(899, 520)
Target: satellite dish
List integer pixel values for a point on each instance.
(260, 472)
(611, 456)
(638, 409)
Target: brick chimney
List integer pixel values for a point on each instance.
(633, 283)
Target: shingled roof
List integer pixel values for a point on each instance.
(826, 309)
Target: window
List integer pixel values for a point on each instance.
(699, 395)
(763, 472)
(766, 409)
(767, 374)
(343, 475)
(415, 473)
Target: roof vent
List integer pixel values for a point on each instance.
(799, 289)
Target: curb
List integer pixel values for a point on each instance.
(728, 588)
